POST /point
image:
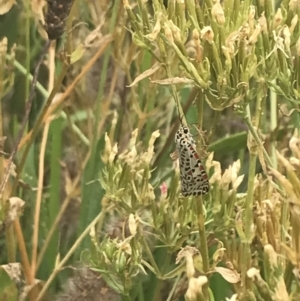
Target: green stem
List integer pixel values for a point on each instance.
(173, 87)
(257, 140)
(246, 255)
(173, 288)
(273, 116)
(217, 115)
(203, 241)
(159, 282)
(37, 124)
(44, 92)
(200, 105)
(248, 220)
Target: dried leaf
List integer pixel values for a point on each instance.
(186, 252)
(25, 291)
(16, 205)
(286, 184)
(281, 293)
(5, 6)
(37, 7)
(231, 276)
(77, 53)
(145, 74)
(156, 30)
(173, 80)
(14, 271)
(3, 45)
(9, 289)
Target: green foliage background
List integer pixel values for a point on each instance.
(101, 191)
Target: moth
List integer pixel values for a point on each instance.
(194, 179)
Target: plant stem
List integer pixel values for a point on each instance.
(28, 105)
(246, 255)
(248, 220)
(217, 115)
(257, 140)
(273, 125)
(61, 264)
(203, 241)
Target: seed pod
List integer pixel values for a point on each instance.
(57, 14)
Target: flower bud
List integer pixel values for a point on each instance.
(277, 18)
(217, 13)
(298, 47)
(263, 23)
(251, 16)
(287, 36)
(293, 5)
(294, 23)
(207, 34)
(198, 46)
(168, 33)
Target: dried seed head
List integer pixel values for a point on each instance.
(281, 293)
(298, 47)
(272, 255)
(156, 29)
(217, 13)
(251, 16)
(57, 14)
(132, 224)
(263, 23)
(294, 23)
(294, 5)
(198, 46)
(254, 273)
(207, 34)
(285, 31)
(253, 38)
(277, 18)
(195, 287)
(168, 33)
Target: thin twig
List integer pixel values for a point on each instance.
(69, 254)
(26, 117)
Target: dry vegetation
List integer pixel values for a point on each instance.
(92, 95)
